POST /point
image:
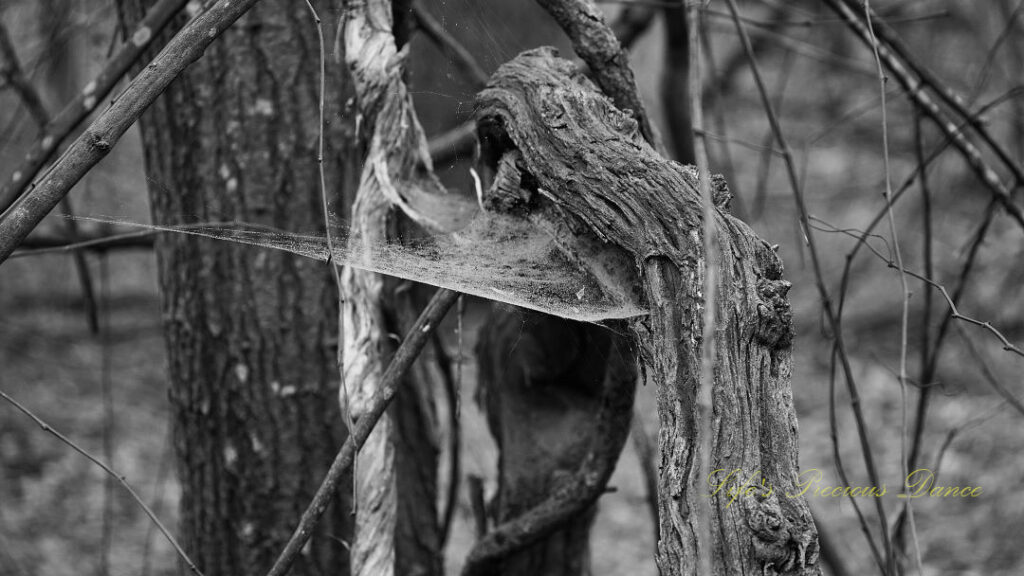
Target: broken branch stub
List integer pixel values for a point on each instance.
(582, 161)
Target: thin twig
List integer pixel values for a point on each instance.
(882, 36)
(449, 45)
(106, 385)
(915, 85)
(819, 279)
(92, 146)
(11, 70)
(418, 336)
(705, 423)
(954, 311)
(110, 472)
(905, 296)
(595, 42)
(990, 376)
(335, 270)
(76, 111)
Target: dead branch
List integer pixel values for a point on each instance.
(11, 70)
(628, 27)
(544, 121)
(112, 474)
(826, 303)
(449, 45)
(595, 42)
(12, 76)
(56, 129)
(881, 34)
(406, 354)
(92, 146)
(916, 87)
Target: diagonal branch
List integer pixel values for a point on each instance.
(628, 27)
(448, 44)
(916, 86)
(109, 472)
(414, 342)
(595, 42)
(56, 129)
(92, 146)
(12, 72)
(883, 35)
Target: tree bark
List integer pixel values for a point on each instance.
(250, 333)
(397, 529)
(565, 146)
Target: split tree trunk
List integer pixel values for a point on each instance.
(563, 144)
(251, 333)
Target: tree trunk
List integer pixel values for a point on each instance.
(541, 379)
(575, 157)
(251, 333)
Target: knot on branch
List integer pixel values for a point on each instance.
(784, 541)
(588, 157)
(774, 314)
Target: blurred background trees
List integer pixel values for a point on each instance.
(255, 160)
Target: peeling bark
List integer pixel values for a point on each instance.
(397, 527)
(579, 156)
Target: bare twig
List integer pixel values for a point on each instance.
(905, 297)
(954, 311)
(986, 371)
(915, 84)
(826, 303)
(92, 146)
(449, 45)
(880, 34)
(110, 472)
(48, 244)
(335, 270)
(14, 77)
(12, 72)
(59, 127)
(406, 354)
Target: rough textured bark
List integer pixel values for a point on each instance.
(250, 333)
(572, 148)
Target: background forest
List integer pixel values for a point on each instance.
(107, 388)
